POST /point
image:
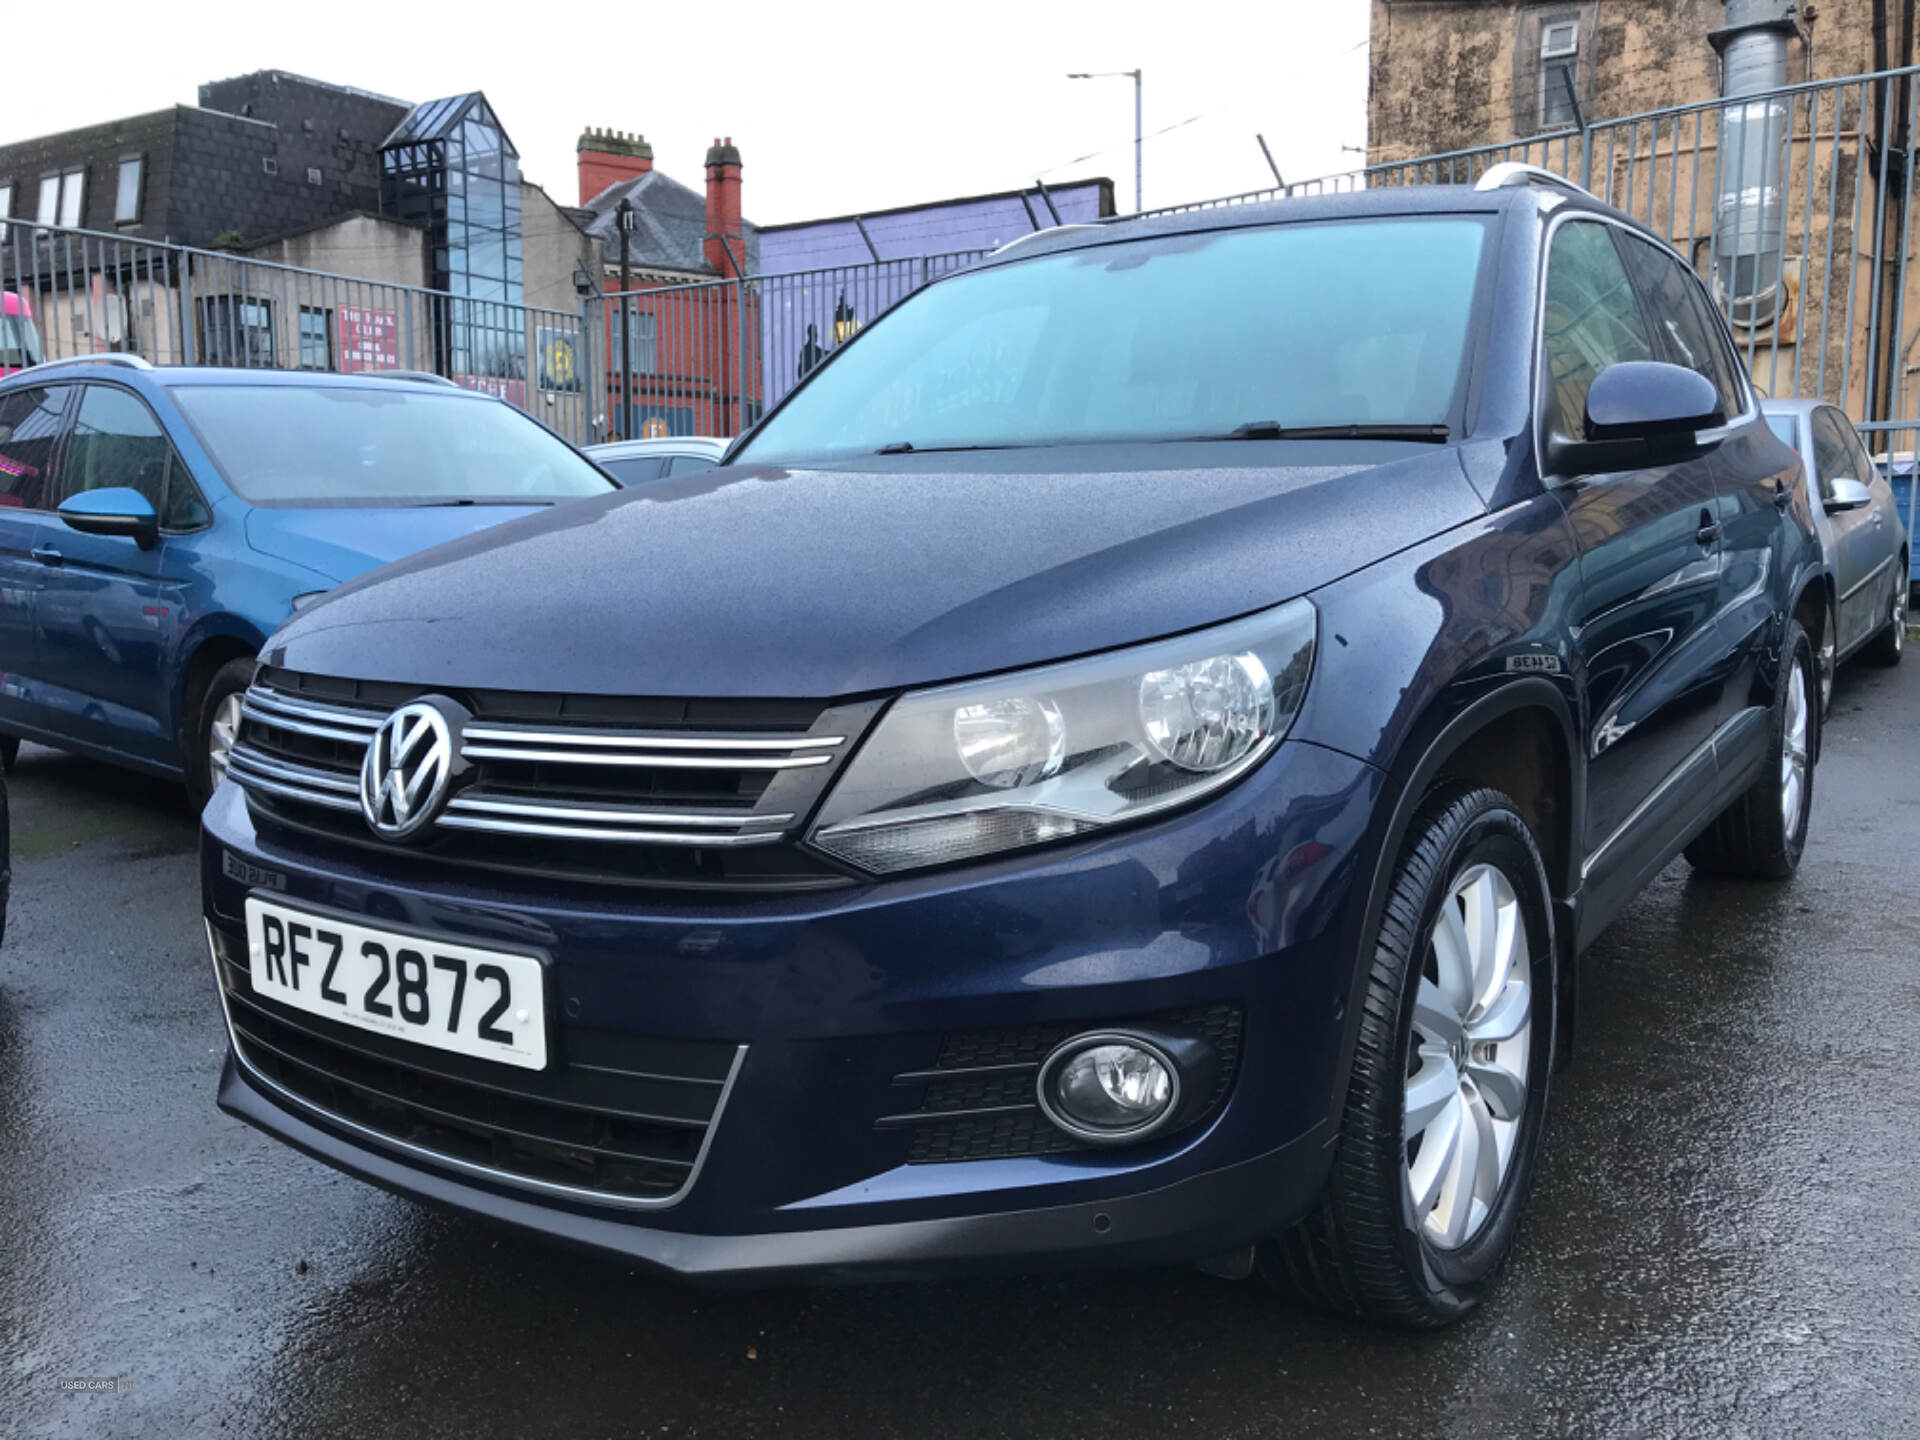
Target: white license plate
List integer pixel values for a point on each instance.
(487, 1003)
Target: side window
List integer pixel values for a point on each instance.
(1678, 311)
(1832, 455)
(116, 441)
(1592, 321)
(686, 464)
(1864, 470)
(29, 424)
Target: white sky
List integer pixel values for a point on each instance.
(836, 105)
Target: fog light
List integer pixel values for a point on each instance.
(1109, 1088)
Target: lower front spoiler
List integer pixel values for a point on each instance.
(1188, 1220)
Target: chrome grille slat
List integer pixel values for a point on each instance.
(538, 781)
(652, 760)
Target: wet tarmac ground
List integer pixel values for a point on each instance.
(1722, 1241)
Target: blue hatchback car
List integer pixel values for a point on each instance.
(156, 525)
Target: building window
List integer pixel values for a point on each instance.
(316, 339)
(126, 199)
(643, 341)
(60, 197)
(236, 330)
(1559, 72)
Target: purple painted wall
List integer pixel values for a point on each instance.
(972, 224)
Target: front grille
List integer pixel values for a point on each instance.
(977, 1102)
(644, 791)
(622, 1118)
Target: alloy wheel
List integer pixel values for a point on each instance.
(221, 735)
(1466, 1088)
(1793, 751)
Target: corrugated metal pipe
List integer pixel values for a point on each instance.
(1750, 206)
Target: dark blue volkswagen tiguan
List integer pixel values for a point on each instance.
(1119, 766)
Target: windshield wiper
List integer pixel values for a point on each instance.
(907, 447)
(1274, 430)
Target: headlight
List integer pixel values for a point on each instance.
(1039, 755)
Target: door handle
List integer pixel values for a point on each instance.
(47, 555)
(1707, 534)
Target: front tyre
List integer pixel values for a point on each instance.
(1761, 835)
(1448, 1095)
(1886, 647)
(211, 729)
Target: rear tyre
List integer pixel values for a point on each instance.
(9, 752)
(1760, 836)
(212, 725)
(1892, 639)
(1448, 1094)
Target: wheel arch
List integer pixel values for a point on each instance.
(1472, 744)
(212, 643)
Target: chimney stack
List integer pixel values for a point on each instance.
(607, 157)
(723, 208)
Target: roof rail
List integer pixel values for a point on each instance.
(105, 357)
(423, 377)
(1509, 173)
(1036, 234)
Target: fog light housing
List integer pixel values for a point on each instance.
(1110, 1088)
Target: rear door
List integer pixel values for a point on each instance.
(1650, 661)
(30, 421)
(109, 610)
(1859, 552)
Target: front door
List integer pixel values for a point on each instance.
(30, 420)
(108, 611)
(1651, 664)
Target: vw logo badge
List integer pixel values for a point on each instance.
(407, 770)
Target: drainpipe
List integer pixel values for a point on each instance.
(1749, 214)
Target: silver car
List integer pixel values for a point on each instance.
(1861, 533)
(634, 462)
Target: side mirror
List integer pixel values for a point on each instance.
(116, 510)
(1845, 493)
(1640, 412)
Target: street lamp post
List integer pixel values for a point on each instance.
(1133, 75)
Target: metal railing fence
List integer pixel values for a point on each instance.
(90, 293)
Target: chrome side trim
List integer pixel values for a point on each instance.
(1866, 579)
(1673, 777)
(652, 759)
(435, 1160)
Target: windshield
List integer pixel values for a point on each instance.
(1336, 323)
(19, 343)
(345, 445)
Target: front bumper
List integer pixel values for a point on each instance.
(834, 995)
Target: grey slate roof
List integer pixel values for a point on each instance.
(670, 228)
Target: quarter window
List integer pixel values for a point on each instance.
(1592, 320)
(29, 422)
